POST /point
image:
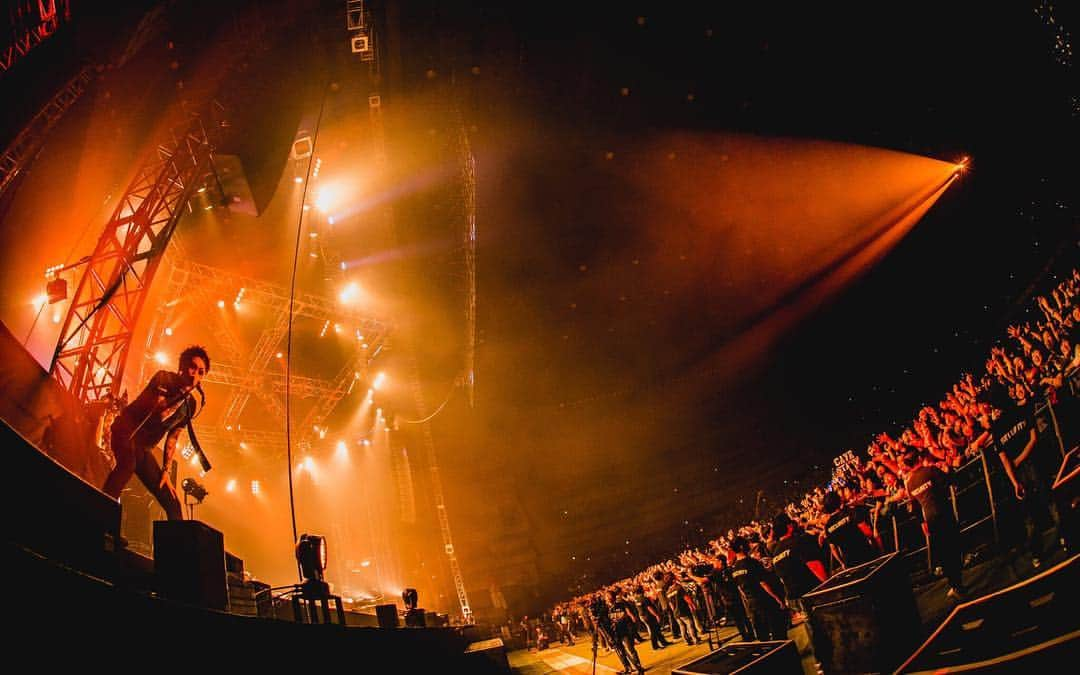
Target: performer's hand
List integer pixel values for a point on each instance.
(1020, 494)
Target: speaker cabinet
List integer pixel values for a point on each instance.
(777, 657)
(864, 618)
(189, 563)
(387, 615)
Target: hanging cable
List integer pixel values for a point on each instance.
(289, 331)
(437, 410)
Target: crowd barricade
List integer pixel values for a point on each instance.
(982, 496)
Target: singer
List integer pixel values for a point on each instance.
(163, 408)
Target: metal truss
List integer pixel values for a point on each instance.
(33, 21)
(91, 352)
(251, 375)
(26, 145)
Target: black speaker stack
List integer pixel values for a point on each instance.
(189, 563)
(864, 618)
(387, 615)
(777, 657)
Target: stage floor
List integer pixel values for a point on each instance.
(578, 659)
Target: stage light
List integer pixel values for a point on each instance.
(309, 463)
(311, 555)
(168, 331)
(56, 290)
(243, 445)
(39, 301)
(161, 358)
(379, 380)
(231, 485)
(192, 488)
(409, 597)
(221, 304)
(298, 180)
(254, 487)
(349, 293)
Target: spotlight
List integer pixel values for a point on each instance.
(191, 487)
(311, 555)
(409, 597)
(414, 616)
(197, 493)
(56, 290)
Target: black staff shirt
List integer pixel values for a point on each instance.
(789, 558)
(842, 531)
(929, 486)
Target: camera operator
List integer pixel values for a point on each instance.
(614, 623)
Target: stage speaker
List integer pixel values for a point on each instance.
(189, 563)
(864, 618)
(1029, 627)
(416, 618)
(778, 657)
(387, 615)
(487, 656)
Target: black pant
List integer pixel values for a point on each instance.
(769, 619)
(1035, 507)
(945, 548)
(656, 634)
(733, 608)
(141, 462)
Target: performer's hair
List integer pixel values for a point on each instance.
(190, 353)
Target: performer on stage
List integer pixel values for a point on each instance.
(163, 408)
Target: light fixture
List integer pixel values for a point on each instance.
(197, 492)
(56, 290)
(311, 556)
(194, 489)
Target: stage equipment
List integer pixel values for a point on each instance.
(56, 289)
(864, 618)
(189, 562)
(193, 490)
(311, 555)
(313, 594)
(1029, 627)
(415, 617)
(92, 348)
(777, 657)
(387, 615)
(248, 373)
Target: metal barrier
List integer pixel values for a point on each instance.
(981, 488)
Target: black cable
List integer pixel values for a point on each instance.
(289, 332)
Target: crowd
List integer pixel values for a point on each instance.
(754, 575)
